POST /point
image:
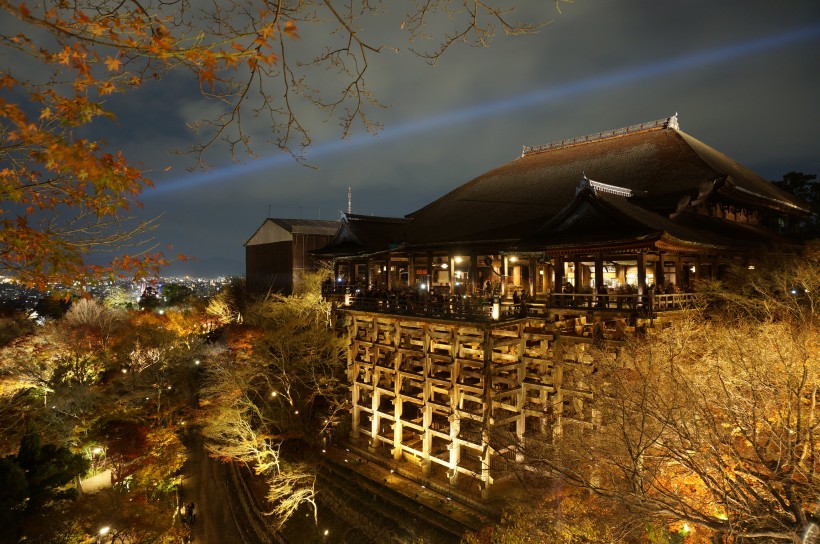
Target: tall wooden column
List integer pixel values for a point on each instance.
(578, 277)
(532, 277)
(355, 396)
(505, 272)
(375, 415)
(455, 446)
(679, 272)
(398, 408)
(558, 285)
(427, 408)
(520, 395)
(599, 281)
(388, 272)
(451, 259)
(369, 277)
(486, 451)
(430, 272)
(641, 276)
(474, 287)
(660, 279)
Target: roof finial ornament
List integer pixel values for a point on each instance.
(672, 122)
(349, 200)
(585, 183)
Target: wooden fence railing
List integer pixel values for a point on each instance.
(484, 309)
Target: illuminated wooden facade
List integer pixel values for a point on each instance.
(473, 314)
(280, 251)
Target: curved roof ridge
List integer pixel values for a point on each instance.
(666, 122)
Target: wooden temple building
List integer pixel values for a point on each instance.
(454, 313)
(279, 252)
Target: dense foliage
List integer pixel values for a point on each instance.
(278, 388)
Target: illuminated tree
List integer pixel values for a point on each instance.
(52, 374)
(712, 422)
(97, 377)
(229, 305)
(119, 298)
(291, 486)
(557, 515)
(279, 384)
(109, 515)
(98, 323)
(156, 365)
(14, 326)
(37, 477)
(66, 196)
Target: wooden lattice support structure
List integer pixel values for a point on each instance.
(435, 391)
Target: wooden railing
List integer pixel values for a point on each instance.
(616, 301)
(453, 307)
(486, 309)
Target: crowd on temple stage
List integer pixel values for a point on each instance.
(446, 300)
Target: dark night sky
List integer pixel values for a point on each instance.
(742, 74)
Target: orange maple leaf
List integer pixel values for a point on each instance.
(112, 64)
(290, 30)
(106, 87)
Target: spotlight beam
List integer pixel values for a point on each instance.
(505, 105)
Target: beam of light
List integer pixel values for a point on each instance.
(505, 105)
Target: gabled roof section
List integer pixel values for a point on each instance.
(364, 234)
(611, 216)
(596, 217)
(656, 158)
(264, 235)
(744, 184)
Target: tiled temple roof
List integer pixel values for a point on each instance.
(362, 234)
(659, 159)
(653, 170)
